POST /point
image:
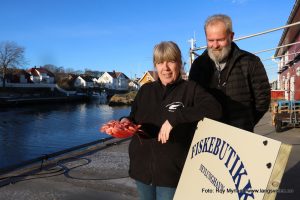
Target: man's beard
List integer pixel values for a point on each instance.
(219, 56)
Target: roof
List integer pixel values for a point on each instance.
(120, 73)
(153, 74)
(34, 71)
(87, 78)
(116, 74)
(289, 34)
(112, 74)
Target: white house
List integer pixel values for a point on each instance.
(41, 75)
(84, 82)
(114, 80)
(134, 84)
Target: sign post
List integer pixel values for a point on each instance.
(228, 163)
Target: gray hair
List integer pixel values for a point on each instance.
(219, 18)
(166, 51)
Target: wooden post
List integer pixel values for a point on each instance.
(277, 172)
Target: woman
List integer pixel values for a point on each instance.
(168, 110)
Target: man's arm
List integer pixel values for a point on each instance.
(260, 88)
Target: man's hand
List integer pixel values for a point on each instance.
(164, 132)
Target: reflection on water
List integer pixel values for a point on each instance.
(32, 131)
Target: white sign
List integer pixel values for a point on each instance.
(227, 163)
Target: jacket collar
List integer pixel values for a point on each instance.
(177, 81)
(166, 89)
(234, 55)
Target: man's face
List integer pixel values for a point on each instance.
(218, 41)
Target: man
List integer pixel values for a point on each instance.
(235, 77)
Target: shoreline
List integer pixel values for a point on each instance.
(14, 101)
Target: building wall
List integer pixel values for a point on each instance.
(107, 80)
(120, 83)
(290, 81)
(79, 82)
(297, 84)
(147, 78)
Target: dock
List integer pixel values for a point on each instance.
(98, 172)
(101, 172)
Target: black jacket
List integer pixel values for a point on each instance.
(242, 88)
(183, 103)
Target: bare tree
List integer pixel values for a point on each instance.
(11, 55)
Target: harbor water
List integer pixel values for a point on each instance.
(33, 131)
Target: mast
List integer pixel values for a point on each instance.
(192, 41)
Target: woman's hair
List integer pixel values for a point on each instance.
(219, 18)
(167, 51)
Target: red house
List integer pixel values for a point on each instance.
(289, 65)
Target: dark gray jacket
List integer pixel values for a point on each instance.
(242, 88)
(183, 103)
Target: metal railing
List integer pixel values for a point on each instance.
(253, 35)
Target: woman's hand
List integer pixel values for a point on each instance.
(164, 132)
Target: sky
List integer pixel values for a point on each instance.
(107, 35)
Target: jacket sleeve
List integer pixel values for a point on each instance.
(204, 105)
(194, 71)
(261, 90)
(134, 107)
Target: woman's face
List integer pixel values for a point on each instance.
(168, 71)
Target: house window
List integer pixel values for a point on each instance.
(286, 57)
(298, 71)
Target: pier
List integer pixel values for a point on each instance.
(101, 172)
